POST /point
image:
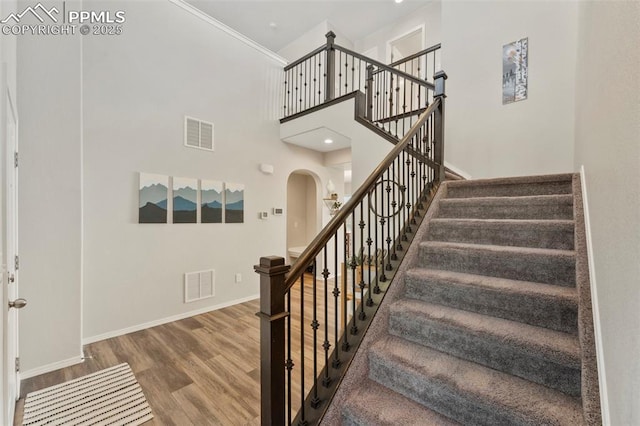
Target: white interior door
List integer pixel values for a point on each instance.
(11, 303)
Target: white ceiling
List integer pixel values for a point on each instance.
(315, 139)
(292, 18)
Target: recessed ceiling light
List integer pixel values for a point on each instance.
(398, 1)
(327, 141)
(274, 25)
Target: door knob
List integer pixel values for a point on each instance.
(18, 303)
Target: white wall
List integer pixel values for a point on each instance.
(427, 17)
(134, 122)
(302, 207)
(50, 228)
(608, 146)
(483, 137)
(80, 178)
(313, 39)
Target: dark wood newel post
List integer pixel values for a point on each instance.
(330, 78)
(439, 79)
(272, 315)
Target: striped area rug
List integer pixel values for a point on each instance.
(108, 397)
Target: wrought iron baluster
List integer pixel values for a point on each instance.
(302, 345)
(408, 193)
(299, 85)
(362, 315)
(354, 265)
(379, 257)
(339, 73)
(379, 97)
(336, 300)
(326, 345)
(369, 242)
(319, 82)
(306, 86)
(284, 95)
(315, 401)
(353, 74)
(394, 204)
(404, 105)
(346, 74)
(346, 253)
(390, 248)
(383, 277)
(289, 362)
(414, 116)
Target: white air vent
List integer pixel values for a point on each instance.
(199, 285)
(198, 134)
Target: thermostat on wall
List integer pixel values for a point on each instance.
(277, 211)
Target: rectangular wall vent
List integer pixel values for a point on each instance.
(198, 133)
(199, 285)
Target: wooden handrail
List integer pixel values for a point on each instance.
(312, 250)
(305, 57)
(384, 67)
(416, 55)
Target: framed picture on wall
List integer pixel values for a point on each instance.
(515, 71)
(185, 200)
(152, 202)
(211, 192)
(234, 203)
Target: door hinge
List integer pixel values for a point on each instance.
(17, 364)
(17, 265)
(15, 159)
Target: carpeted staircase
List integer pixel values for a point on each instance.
(489, 318)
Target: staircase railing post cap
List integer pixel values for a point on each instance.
(272, 265)
(331, 36)
(440, 74)
(439, 79)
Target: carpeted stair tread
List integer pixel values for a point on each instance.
(544, 305)
(465, 391)
(551, 358)
(546, 266)
(374, 404)
(510, 187)
(556, 346)
(521, 207)
(553, 234)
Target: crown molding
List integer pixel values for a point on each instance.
(233, 33)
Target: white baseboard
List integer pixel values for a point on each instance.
(604, 399)
(51, 367)
(457, 170)
(161, 321)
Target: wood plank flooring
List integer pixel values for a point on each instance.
(203, 370)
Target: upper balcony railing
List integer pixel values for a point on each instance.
(424, 64)
(396, 94)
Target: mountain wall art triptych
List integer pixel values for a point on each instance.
(189, 200)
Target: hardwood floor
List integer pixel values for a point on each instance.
(203, 370)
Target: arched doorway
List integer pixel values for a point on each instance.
(303, 212)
